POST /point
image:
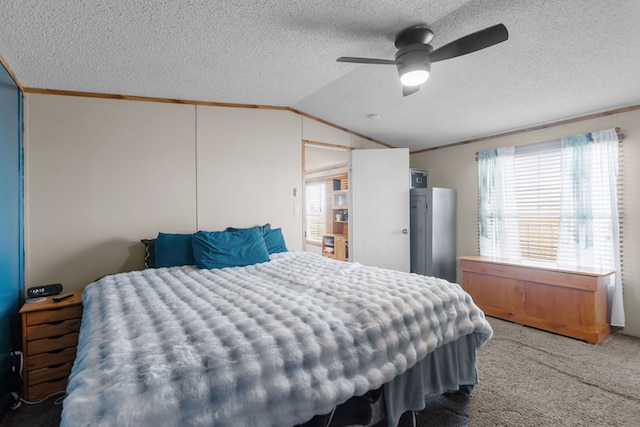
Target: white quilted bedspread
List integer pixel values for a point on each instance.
(266, 345)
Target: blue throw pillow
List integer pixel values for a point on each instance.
(264, 228)
(219, 249)
(275, 241)
(172, 250)
(273, 238)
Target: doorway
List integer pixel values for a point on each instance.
(326, 192)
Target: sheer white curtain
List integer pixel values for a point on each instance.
(589, 229)
(497, 210)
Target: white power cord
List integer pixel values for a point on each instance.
(19, 401)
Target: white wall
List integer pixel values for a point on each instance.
(455, 167)
(101, 174)
(312, 130)
(249, 164)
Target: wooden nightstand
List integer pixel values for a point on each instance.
(49, 339)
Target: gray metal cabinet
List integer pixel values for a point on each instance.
(433, 232)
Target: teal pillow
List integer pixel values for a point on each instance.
(274, 240)
(172, 250)
(220, 249)
(264, 228)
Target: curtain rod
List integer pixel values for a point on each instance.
(617, 129)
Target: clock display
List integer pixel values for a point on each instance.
(44, 290)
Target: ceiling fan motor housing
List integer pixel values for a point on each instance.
(418, 34)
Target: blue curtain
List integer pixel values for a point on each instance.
(577, 172)
(497, 209)
(486, 187)
(589, 227)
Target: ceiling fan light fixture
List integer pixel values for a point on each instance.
(413, 64)
(414, 73)
(414, 78)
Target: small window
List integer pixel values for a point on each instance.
(315, 210)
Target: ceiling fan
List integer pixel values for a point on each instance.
(415, 55)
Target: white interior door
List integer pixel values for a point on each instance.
(379, 182)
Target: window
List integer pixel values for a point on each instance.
(540, 202)
(555, 202)
(315, 210)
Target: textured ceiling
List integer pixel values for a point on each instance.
(563, 59)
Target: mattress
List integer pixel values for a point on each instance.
(271, 344)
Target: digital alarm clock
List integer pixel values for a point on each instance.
(44, 290)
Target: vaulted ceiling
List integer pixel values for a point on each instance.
(563, 59)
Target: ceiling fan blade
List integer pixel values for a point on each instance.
(409, 90)
(471, 43)
(366, 60)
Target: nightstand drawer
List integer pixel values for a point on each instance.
(52, 373)
(45, 330)
(51, 344)
(52, 358)
(54, 315)
(41, 390)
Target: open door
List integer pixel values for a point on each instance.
(324, 164)
(379, 182)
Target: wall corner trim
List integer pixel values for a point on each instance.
(11, 73)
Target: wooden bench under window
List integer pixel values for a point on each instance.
(571, 303)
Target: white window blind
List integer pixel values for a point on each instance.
(315, 210)
(537, 191)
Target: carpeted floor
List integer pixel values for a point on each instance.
(533, 378)
(45, 414)
(527, 378)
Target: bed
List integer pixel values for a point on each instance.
(275, 343)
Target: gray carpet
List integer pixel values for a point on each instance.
(527, 378)
(534, 378)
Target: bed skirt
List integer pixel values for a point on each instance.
(450, 368)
